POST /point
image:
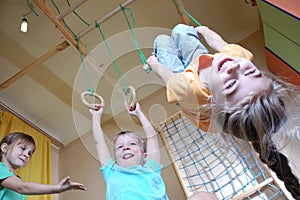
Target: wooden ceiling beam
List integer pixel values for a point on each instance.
(60, 25)
(35, 64)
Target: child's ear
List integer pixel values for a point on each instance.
(4, 147)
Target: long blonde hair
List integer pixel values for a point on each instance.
(259, 116)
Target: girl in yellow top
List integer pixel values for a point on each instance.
(185, 67)
(226, 92)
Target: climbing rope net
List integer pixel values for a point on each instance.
(208, 162)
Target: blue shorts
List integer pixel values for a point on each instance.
(178, 50)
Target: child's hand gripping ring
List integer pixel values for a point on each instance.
(130, 100)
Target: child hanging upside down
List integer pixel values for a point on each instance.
(225, 92)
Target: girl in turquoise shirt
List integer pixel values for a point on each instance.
(16, 151)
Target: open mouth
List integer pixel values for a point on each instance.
(127, 156)
(223, 62)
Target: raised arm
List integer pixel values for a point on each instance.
(152, 139)
(31, 188)
(213, 39)
(101, 146)
(163, 72)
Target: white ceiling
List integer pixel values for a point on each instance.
(48, 96)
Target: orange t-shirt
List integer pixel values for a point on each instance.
(188, 91)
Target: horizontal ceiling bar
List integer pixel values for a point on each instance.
(103, 19)
(71, 9)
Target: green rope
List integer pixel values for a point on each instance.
(112, 57)
(188, 14)
(31, 8)
(78, 47)
(81, 19)
(66, 25)
(84, 68)
(132, 33)
(55, 6)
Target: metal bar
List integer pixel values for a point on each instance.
(103, 19)
(70, 9)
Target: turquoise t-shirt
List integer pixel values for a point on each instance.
(134, 183)
(7, 194)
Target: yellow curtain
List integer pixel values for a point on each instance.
(39, 169)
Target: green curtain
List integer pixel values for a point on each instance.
(39, 169)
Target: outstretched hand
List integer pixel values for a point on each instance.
(65, 184)
(97, 111)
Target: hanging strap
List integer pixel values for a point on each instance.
(84, 68)
(188, 14)
(31, 8)
(78, 16)
(112, 57)
(131, 99)
(90, 91)
(132, 32)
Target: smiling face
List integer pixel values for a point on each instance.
(17, 155)
(232, 79)
(129, 151)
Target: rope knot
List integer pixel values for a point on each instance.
(97, 24)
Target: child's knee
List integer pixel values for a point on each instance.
(165, 43)
(183, 29)
(180, 28)
(161, 40)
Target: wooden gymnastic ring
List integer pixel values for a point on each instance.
(89, 105)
